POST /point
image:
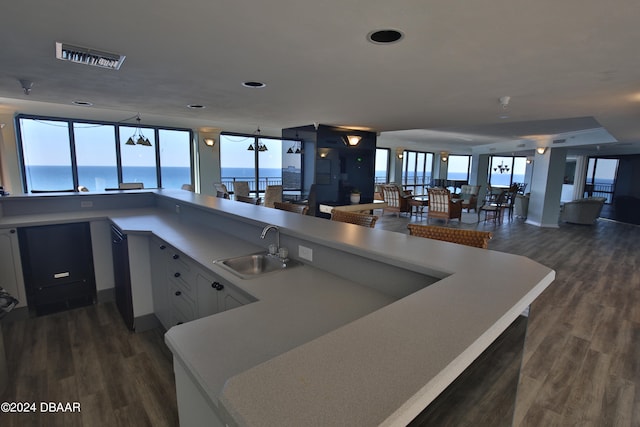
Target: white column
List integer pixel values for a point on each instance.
(546, 187)
(579, 177)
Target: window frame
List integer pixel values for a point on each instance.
(72, 144)
(416, 155)
(254, 139)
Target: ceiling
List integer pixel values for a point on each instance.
(570, 68)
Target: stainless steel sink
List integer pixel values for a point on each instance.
(247, 266)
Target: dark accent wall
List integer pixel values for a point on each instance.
(626, 199)
(334, 167)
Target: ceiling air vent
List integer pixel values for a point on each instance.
(559, 141)
(83, 55)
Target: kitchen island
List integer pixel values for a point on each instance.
(368, 332)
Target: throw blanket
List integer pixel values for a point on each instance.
(7, 302)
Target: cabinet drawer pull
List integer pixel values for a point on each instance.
(178, 293)
(163, 247)
(176, 274)
(217, 286)
(176, 256)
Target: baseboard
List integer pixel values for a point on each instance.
(539, 224)
(106, 295)
(146, 322)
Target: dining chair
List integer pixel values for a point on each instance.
(241, 188)
(493, 206)
(272, 194)
(291, 207)
(475, 238)
(365, 220)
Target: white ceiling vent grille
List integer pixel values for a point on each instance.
(83, 55)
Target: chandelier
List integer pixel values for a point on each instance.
(295, 148)
(501, 167)
(138, 138)
(258, 145)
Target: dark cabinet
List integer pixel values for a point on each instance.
(122, 276)
(57, 264)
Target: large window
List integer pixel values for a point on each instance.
(261, 161)
(601, 178)
(458, 168)
(417, 171)
(506, 170)
(96, 156)
(64, 154)
(382, 165)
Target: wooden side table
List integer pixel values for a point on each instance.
(419, 202)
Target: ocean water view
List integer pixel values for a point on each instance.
(99, 178)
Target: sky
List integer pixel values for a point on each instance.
(49, 145)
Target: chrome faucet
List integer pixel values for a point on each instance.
(266, 229)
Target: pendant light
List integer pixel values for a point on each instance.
(138, 138)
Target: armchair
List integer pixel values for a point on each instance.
(582, 211)
(397, 201)
(442, 206)
(468, 197)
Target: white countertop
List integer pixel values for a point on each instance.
(316, 349)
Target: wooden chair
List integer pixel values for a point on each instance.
(241, 188)
(292, 207)
(511, 198)
(468, 197)
(493, 206)
(365, 220)
(272, 194)
(478, 239)
(442, 206)
(395, 198)
(247, 199)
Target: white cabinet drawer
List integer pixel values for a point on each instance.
(183, 308)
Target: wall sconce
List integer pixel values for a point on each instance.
(400, 153)
(209, 141)
(353, 140)
(444, 156)
(541, 150)
(323, 152)
(529, 161)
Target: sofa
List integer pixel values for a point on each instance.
(582, 211)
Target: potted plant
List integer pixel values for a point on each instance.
(355, 196)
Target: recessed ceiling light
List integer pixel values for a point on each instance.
(387, 36)
(82, 103)
(254, 85)
(196, 106)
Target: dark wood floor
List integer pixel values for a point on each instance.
(87, 355)
(580, 365)
(581, 361)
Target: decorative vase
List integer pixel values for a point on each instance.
(355, 198)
